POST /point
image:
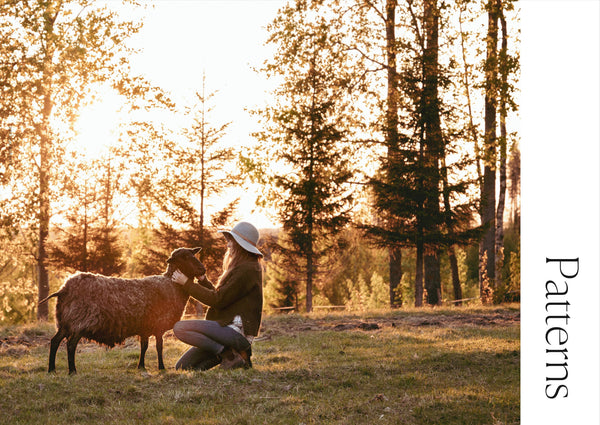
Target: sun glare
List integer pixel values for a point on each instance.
(96, 126)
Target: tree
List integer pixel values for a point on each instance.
(58, 50)
(413, 189)
(499, 67)
(90, 241)
(306, 133)
(507, 67)
(392, 136)
(179, 176)
(432, 141)
(213, 158)
(283, 274)
(487, 248)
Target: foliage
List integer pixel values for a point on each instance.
(179, 177)
(420, 187)
(56, 51)
(368, 296)
(323, 137)
(165, 238)
(90, 241)
(280, 288)
(353, 259)
(509, 290)
(17, 291)
(306, 132)
(357, 275)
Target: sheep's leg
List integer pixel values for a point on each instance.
(54, 344)
(72, 342)
(159, 351)
(143, 348)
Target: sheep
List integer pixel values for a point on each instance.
(109, 309)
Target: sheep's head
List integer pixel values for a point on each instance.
(185, 260)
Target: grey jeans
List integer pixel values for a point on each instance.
(208, 339)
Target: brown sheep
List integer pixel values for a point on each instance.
(109, 309)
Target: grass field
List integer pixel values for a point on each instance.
(425, 366)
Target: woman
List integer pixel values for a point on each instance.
(235, 307)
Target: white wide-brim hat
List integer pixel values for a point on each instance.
(246, 235)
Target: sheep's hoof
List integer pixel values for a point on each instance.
(72, 372)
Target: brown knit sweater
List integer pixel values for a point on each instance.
(240, 292)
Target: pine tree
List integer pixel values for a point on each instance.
(90, 241)
(306, 131)
(413, 189)
(178, 178)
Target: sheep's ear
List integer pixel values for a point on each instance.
(171, 257)
(196, 250)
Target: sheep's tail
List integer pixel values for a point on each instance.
(48, 297)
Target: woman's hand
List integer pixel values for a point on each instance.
(179, 277)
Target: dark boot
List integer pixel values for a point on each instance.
(208, 363)
(232, 359)
(246, 355)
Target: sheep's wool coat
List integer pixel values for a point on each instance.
(108, 310)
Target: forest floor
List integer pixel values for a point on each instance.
(407, 366)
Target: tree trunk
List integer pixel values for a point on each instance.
(44, 225)
(450, 228)
(455, 276)
(43, 133)
(309, 276)
(503, 152)
(488, 197)
(433, 144)
(433, 279)
(419, 274)
(395, 276)
(391, 134)
(84, 243)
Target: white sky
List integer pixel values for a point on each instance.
(181, 40)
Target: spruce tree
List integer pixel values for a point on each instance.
(305, 134)
(90, 241)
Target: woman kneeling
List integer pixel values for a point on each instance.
(235, 307)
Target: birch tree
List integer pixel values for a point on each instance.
(59, 50)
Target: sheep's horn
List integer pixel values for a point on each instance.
(196, 250)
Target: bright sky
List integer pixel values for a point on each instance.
(224, 40)
(182, 40)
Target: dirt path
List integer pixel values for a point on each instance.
(341, 322)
